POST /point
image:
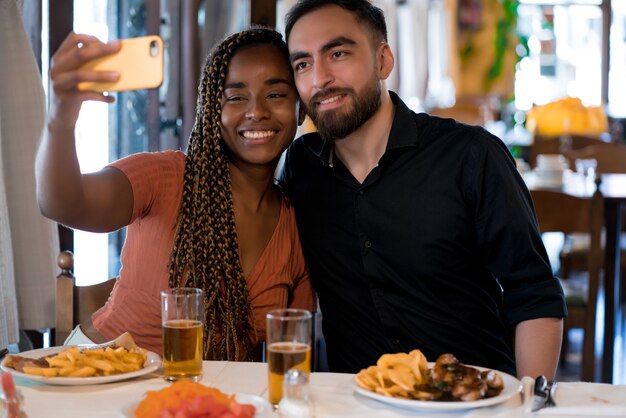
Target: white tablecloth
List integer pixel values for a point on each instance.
(332, 395)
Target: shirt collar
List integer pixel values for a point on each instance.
(403, 129)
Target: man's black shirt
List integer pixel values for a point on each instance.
(437, 250)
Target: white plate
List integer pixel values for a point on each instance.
(512, 386)
(263, 409)
(152, 363)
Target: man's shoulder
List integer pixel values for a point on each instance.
(308, 146)
(310, 141)
(434, 128)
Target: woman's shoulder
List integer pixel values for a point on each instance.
(152, 162)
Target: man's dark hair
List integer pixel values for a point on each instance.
(364, 11)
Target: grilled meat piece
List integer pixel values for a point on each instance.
(464, 382)
(18, 363)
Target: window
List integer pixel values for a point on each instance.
(564, 52)
(92, 144)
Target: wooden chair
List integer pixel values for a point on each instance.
(560, 212)
(609, 159)
(562, 145)
(75, 304)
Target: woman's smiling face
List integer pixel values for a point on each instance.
(259, 105)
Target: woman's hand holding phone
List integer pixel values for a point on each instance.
(66, 73)
(84, 68)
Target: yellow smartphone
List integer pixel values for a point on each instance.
(139, 62)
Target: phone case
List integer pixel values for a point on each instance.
(139, 62)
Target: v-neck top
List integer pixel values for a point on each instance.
(279, 279)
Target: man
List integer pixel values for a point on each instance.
(418, 231)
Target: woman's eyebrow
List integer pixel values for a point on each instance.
(274, 81)
(239, 85)
(269, 82)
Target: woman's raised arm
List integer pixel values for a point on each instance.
(100, 201)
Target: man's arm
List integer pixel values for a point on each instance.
(537, 346)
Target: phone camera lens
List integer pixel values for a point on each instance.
(154, 48)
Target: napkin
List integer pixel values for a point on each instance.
(589, 400)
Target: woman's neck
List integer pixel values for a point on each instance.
(253, 187)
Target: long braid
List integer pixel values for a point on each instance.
(205, 252)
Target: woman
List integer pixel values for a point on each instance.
(212, 218)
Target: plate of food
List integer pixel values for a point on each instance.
(185, 398)
(407, 380)
(81, 365)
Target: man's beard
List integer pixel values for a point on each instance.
(336, 124)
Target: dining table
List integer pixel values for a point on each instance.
(613, 189)
(332, 395)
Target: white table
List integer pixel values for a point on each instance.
(332, 395)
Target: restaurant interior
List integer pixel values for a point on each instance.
(548, 77)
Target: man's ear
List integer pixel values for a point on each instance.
(301, 114)
(385, 61)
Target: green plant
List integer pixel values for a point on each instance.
(506, 37)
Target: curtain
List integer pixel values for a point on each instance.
(389, 8)
(30, 240)
(413, 59)
(441, 50)
(8, 303)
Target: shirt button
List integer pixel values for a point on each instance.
(368, 244)
(395, 341)
(361, 192)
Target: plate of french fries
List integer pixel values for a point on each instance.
(409, 381)
(81, 365)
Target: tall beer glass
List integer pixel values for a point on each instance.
(288, 346)
(182, 315)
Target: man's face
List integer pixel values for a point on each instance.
(335, 68)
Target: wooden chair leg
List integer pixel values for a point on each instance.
(565, 268)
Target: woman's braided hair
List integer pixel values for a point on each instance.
(205, 253)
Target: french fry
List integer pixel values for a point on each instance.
(99, 364)
(60, 362)
(41, 371)
(395, 375)
(65, 371)
(83, 372)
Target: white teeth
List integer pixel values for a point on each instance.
(330, 100)
(257, 134)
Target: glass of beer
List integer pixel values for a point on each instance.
(182, 316)
(288, 346)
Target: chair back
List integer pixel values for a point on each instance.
(75, 304)
(561, 145)
(610, 158)
(560, 212)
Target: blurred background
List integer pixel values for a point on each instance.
(486, 62)
(528, 71)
